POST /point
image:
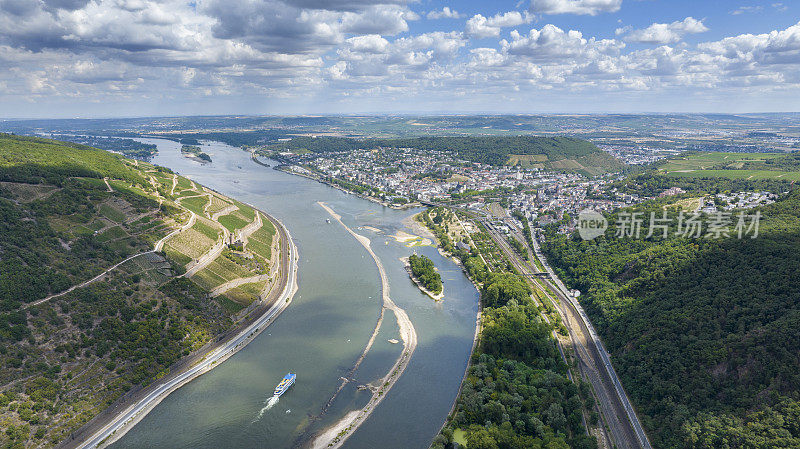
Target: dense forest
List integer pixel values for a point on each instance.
(484, 149)
(516, 393)
(64, 360)
(704, 332)
(422, 268)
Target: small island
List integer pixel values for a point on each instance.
(423, 273)
(195, 152)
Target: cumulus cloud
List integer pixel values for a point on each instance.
(664, 33)
(553, 43)
(444, 13)
(105, 51)
(370, 56)
(585, 7)
(372, 43)
(482, 27)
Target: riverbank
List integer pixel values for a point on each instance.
(336, 435)
(414, 223)
(312, 176)
(118, 419)
(332, 306)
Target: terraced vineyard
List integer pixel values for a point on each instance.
(111, 271)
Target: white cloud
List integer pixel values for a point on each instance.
(552, 43)
(665, 33)
(110, 51)
(586, 7)
(746, 10)
(372, 43)
(482, 27)
(387, 20)
(444, 13)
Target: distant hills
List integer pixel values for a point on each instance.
(775, 166)
(553, 153)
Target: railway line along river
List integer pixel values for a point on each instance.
(321, 336)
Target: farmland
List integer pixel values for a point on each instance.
(73, 343)
(726, 165)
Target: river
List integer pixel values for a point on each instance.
(324, 330)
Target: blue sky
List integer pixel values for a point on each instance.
(99, 58)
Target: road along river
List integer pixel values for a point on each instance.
(323, 333)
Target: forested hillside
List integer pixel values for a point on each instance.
(703, 332)
(68, 213)
(559, 153)
(516, 393)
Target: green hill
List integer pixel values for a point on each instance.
(557, 153)
(704, 333)
(66, 358)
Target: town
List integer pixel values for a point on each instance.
(403, 177)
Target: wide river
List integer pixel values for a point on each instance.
(323, 331)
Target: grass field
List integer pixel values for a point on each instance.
(207, 228)
(245, 211)
(233, 221)
(164, 180)
(183, 184)
(196, 204)
(725, 165)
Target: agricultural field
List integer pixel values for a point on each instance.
(195, 204)
(192, 243)
(183, 184)
(726, 165)
(260, 242)
(71, 355)
(239, 218)
(527, 160)
(217, 204)
(230, 265)
(245, 211)
(233, 221)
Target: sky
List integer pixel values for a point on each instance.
(124, 58)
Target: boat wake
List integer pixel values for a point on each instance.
(268, 404)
